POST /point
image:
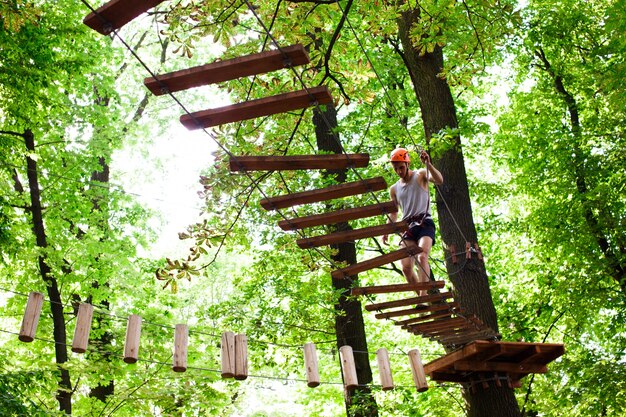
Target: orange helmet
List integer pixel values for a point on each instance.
(400, 155)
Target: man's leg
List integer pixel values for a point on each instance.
(408, 264)
(426, 243)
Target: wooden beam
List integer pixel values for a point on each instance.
(509, 367)
(405, 323)
(116, 13)
(439, 324)
(350, 235)
(446, 377)
(428, 309)
(383, 289)
(408, 301)
(375, 262)
(266, 106)
(337, 216)
(323, 194)
(298, 162)
(228, 69)
(449, 359)
(465, 338)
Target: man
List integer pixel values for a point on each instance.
(411, 194)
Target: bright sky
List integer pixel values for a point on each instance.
(163, 174)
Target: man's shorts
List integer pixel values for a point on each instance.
(427, 228)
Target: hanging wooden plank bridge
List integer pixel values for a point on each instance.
(436, 316)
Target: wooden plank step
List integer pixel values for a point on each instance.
(337, 216)
(116, 13)
(375, 262)
(409, 311)
(445, 325)
(465, 338)
(298, 162)
(323, 194)
(266, 106)
(435, 315)
(228, 69)
(350, 235)
(383, 289)
(409, 301)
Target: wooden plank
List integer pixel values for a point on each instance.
(351, 235)
(428, 309)
(228, 69)
(298, 162)
(337, 216)
(408, 301)
(323, 194)
(116, 13)
(405, 323)
(439, 324)
(375, 262)
(465, 338)
(266, 106)
(383, 289)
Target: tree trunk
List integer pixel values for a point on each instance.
(349, 326)
(103, 341)
(470, 278)
(64, 392)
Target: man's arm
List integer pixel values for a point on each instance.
(434, 175)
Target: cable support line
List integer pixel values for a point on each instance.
(102, 311)
(196, 368)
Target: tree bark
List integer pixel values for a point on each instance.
(64, 392)
(455, 218)
(349, 327)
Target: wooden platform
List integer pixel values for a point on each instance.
(350, 235)
(298, 162)
(266, 106)
(116, 13)
(512, 359)
(323, 194)
(228, 69)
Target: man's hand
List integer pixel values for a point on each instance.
(424, 157)
(385, 239)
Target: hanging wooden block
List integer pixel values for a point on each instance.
(83, 327)
(310, 363)
(417, 368)
(265, 106)
(228, 354)
(133, 335)
(384, 369)
(181, 340)
(31, 317)
(116, 13)
(241, 357)
(227, 69)
(348, 367)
